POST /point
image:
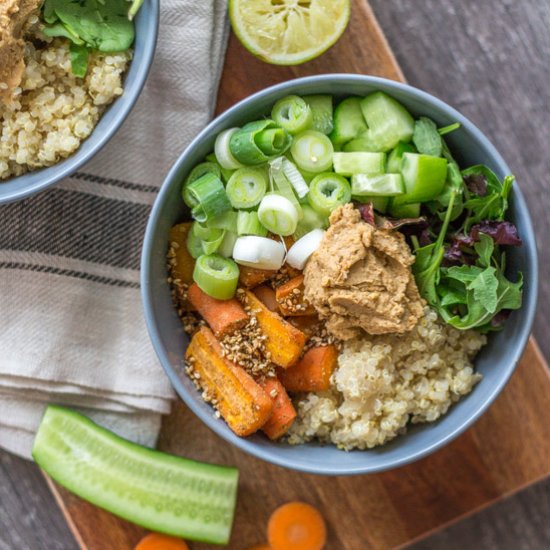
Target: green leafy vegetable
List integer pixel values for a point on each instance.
(426, 138)
(79, 59)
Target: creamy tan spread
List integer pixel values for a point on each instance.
(14, 16)
(360, 278)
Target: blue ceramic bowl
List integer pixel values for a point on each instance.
(496, 362)
(146, 22)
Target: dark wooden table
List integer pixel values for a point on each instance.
(490, 60)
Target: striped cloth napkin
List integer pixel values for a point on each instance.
(71, 323)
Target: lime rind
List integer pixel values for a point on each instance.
(288, 32)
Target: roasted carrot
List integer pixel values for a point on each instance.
(157, 541)
(312, 372)
(223, 316)
(241, 402)
(283, 414)
(284, 342)
(296, 526)
(182, 268)
(260, 547)
(308, 324)
(250, 277)
(290, 298)
(266, 295)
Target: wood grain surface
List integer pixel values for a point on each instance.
(487, 59)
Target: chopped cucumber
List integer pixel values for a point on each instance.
(388, 121)
(385, 185)
(424, 177)
(380, 203)
(362, 143)
(404, 210)
(158, 491)
(321, 108)
(396, 156)
(348, 164)
(348, 121)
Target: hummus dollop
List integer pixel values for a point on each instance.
(14, 17)
(360, 280)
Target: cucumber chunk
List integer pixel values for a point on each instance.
(404, 210)
(362, 143)
(424, 177)
(396, 156)
(348, 121)
(348, 164)
(321, 108)
(380, 203)
(385, 185)
(388, 121)
(158, 491)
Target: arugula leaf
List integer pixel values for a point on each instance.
(79, 60)
(484, 248)
(485, 287)
(426, 137)
(464, 273)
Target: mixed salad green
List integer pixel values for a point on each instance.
(104, 25)
(285, 174)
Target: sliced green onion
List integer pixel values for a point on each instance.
(226, 248)
(281, 185)
(222, 150)
(321, 107)
(448, 129)
(216, 275)
(303, 248)
(278, 215)
(293, 114)
(386, 185)
(194, 244)
(259, 141)
(295, 178)
(259, 252)
(249, 224)
(327, 192)
(311, 220)
(227, 221)
(208, 197)
(195, 174)
(210, 238)
(312, 151)
(226, 174)
(246, 187)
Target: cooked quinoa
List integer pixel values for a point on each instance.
(383, 382)
(53, 111)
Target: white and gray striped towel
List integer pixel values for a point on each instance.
(71, 324)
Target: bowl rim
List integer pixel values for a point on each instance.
(71, 164)
(215, 424)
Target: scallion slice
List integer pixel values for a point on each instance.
(311, 220)
(293, 114)
(195, 174)
(312, 151)
(223, 151)
(327, 192)
(226, 174)
(208, 197)
(227, 221)
(216, 275)
(194, 244)
(259, 141)
(249, 224)
(278, 215)
(259, 252)
(281, 185)
(303, 248)
(295, 178)
(226, 248)
(246, 187)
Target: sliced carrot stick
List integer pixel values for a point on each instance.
(308, 324)
(157, 541)
(296, 526)
(283, 414)
(266, 295)
(250, 277)
(284, 342)
(241, 402)
(223, 316)
(290, 298)
(312, 372)
(184, 264)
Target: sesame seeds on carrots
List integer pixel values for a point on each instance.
(296, 526)
(157, 541)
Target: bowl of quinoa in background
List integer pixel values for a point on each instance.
(471, 369)
(54, 121)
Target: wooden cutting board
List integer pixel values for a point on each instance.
(505, 451)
